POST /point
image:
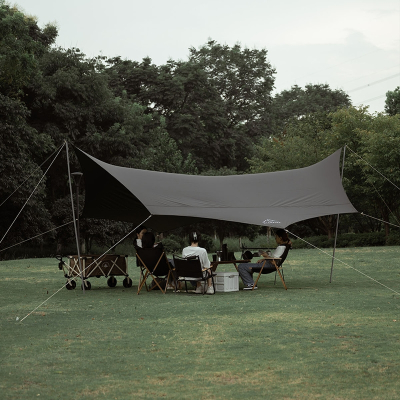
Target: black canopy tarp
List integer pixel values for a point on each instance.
(276, 199)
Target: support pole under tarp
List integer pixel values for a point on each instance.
(337, 222)
(74, 219)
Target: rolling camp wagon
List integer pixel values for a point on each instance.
(95, 266)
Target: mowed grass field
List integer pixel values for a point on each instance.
(317, 340)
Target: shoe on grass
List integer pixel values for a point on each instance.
(210, 290)
(199, 289)
(249, 287)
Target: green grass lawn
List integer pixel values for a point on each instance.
(317, 340)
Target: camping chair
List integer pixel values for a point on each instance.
(190, 269)
(276, 267)
(154, 263)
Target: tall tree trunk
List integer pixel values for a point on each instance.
(328, 225)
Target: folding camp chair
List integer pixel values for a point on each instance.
(154, 263)
(276, 267)
(190, 269)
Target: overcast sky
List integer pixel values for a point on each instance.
(352, 45)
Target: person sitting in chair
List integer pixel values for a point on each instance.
(148, 242)
(246, 270)
(195, 250)
(137, 242)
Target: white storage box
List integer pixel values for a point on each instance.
(226, 281)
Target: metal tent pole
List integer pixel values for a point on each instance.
(77, 179)
(337, 222)
(74, 219)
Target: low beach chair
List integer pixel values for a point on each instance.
(276, 267)
(190, 269)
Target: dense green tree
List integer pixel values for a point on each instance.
(243, 79)
(297, 103)
(347, 126)
(21, 43)
(71, 100)
(214, 105)
(49, 95)
(392, 102)
(288, 152)
(18, 143)
(380, 148)
(347, 123)
(212, 114)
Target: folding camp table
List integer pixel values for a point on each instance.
(108, 265)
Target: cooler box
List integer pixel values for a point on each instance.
(226, 281)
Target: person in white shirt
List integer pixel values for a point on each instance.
(246, 269)
(195, 250)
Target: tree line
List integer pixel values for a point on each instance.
(213, 114)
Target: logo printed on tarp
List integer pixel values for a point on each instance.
(270, 221)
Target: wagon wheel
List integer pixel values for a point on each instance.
(70, 285)
(127, 282)
(88, 285)
(112, 281)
